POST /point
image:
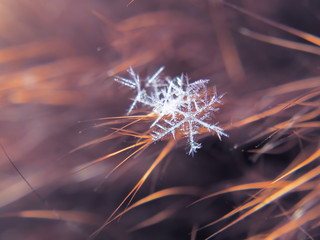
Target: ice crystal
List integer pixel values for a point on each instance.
(180, 107)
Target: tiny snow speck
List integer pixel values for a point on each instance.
(179, 107)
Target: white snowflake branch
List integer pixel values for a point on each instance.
(178, 104)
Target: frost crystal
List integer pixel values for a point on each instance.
(181, 107)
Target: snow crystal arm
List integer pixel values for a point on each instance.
(154, 77)
(178, 106)
(126, 82)
(218, 130)
(194, 146)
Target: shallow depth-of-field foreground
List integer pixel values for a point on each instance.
(163, 119)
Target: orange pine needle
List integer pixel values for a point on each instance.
(132, 193)
(309, 37)
(274, 196)
(160, 194)
(110, 155)
(72, 216)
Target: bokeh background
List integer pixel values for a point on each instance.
(57, 63)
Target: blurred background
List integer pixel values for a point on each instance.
(57, 63)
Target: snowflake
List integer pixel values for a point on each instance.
(181, 107)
